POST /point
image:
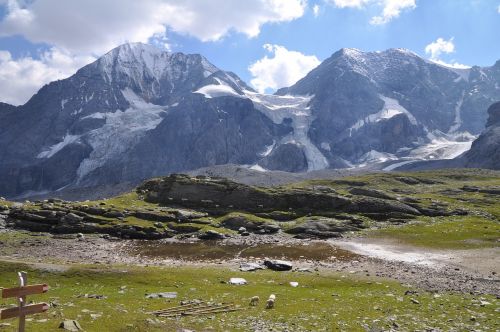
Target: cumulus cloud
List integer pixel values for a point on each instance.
(435, 49)
(99, 25)
(315, 10)
(78, 31)
(283, 69)
(20, 79)
(439, 47)
(350, 3)
(391, 8)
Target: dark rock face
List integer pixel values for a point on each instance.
(130, 115)
(424, 97)
(485, 151)
(138, 112)
(325, 228)
(287, 157)
(237, 222)
(214, 193)
(278, 265)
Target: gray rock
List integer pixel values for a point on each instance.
(211, 235)
(70, 325)
(278, 265)
(164, 295)
(71, 217)
(248, 266)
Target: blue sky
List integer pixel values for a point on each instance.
(42, 40)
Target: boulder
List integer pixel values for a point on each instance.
(237, 223)
(70, 325)
(248, 266)
(71, 217)
(211, 235)
(114, 214)
(278, 265)
(325, 228)
(164, 295)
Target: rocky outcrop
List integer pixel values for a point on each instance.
(219, 193)
(325, 228)
(255, 226)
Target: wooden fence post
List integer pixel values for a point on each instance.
(23, 281)
(23, 308)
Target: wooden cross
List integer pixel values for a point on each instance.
(22, 310)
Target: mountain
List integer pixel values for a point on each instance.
(371, 106)
(139, 112)
(485, 151)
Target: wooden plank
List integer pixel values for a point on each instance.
(24, 291)
(23, 311)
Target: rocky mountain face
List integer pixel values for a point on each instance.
(139, 112)
(485, 151)
(394, 104)
(136, 112)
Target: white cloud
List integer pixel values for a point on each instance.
(96, 26)
(435, 49)
(498, 9)
(391, 8)
(283, 69)
(315, 10)
(350, 3)
(20, 79)
(80, 30)
(439, 47)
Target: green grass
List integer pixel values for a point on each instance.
(446, 233)
(322, 302)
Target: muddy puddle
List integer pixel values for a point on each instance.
(211, 250)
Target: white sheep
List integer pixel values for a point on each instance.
(254, 301)
(270, 301)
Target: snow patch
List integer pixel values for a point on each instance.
(259, 168)
(391, 108)
(68, 139)
(63, 102)
(393, 253)
(121, 131)
(214, 91)
(457, 123)
(296, 108)
(443, 146)
(376, 156)
(268, 150)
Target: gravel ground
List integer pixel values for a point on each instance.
(474, 271)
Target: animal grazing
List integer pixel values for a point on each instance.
(254, 301)
(270, 301)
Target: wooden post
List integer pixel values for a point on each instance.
(23, 281)
(21, 292)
